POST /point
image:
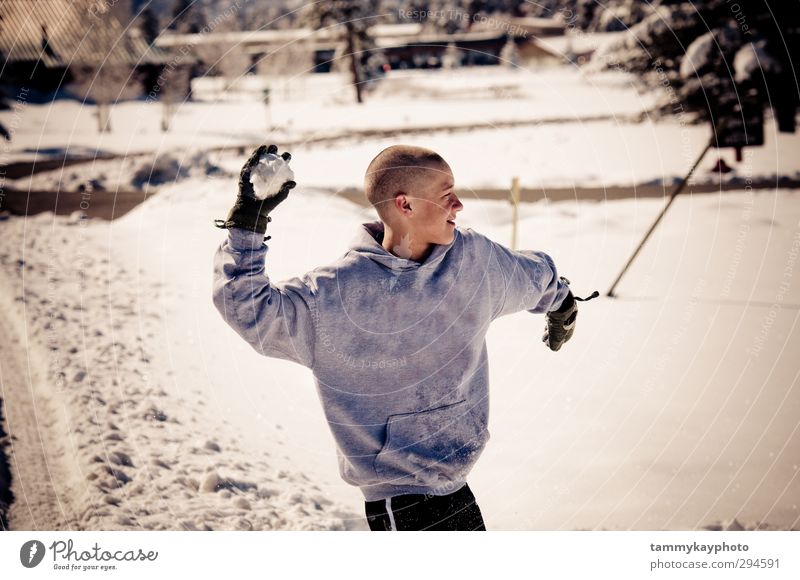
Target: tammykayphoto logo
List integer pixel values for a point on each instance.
(31, 553)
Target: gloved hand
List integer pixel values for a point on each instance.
(561, 323)
(249, 213)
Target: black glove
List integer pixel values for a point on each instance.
(249, 213)
(561, 323)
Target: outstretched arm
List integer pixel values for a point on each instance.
(529, 281)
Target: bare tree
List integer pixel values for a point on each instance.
(223, 59)
(104, 82)
(174, 90)
(104, 72)
(290, 62)
(451, 57)
(354, 17)
(509, 54)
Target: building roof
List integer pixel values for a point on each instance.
(328, 35)
(63, 32)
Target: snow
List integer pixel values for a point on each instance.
(674, 406)
(666, 410)
(571, 154)
(319, 105)
(698, 55)
(579, 42)
(556, 128)
(753, 60)
(269, 175)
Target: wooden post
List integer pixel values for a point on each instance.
(265, 95)
(515, 195)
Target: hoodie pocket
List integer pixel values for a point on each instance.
(432, 447)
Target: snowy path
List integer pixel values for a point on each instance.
(43, 500)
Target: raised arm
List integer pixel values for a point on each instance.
(275, 319)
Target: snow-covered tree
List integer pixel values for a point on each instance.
(717, 57)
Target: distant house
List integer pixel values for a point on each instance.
(42, 42)
(403, 45)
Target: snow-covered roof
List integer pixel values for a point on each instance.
(529, 25)
(329, 35)
(582, 43)
(169, 39)
(385, 35)
(437, 38)
(64, 32)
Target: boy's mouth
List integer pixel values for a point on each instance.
(452, 222)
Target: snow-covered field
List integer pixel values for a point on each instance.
(505, 115)
(676, 405)
(320, 105)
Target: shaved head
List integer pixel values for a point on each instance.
(400, 169)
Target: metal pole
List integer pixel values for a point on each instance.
(515, 195)
(675, 193)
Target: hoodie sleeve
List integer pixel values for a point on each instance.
(277, 320)
(527, 280)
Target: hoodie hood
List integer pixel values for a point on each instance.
(368, 244)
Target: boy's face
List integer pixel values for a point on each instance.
(434, 206)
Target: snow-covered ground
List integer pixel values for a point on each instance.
(505, 115)
(320, 105)
(674, 407)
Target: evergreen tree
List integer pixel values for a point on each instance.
(721, 59)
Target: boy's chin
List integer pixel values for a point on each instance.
(442, 238)
(447, 238)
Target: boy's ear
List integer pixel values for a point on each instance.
(402, 202)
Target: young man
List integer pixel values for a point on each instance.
(394, 332)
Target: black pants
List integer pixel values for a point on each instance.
(455, 512)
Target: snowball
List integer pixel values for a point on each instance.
(269, 174)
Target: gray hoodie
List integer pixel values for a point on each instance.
(397, 347)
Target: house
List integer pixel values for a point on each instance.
(44, 42)
(403, 46)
